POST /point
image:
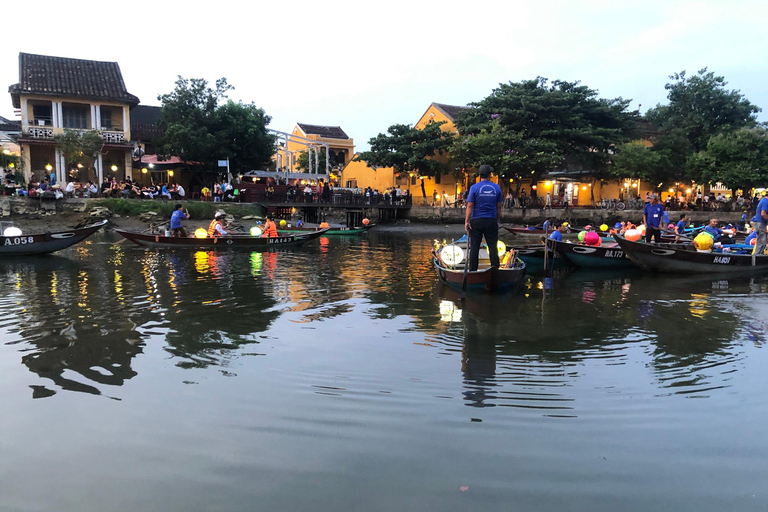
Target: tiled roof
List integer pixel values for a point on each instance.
(60, 76)
(450, 111)
(328, 132)
(9, 126)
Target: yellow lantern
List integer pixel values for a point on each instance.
(603, 227)
(501, 247)
(201, 233)
(283, 223)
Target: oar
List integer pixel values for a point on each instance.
(677, 235)
(466, 267)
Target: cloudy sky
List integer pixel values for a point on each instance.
(365, 66)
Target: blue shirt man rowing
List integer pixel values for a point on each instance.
(484, 204)
(176, 218)
(558, 233)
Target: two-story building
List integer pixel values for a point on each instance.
(306, 137)
(55, 94)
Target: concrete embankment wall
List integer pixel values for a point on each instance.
(576, 216)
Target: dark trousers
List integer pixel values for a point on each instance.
(488, 228)
(654, 233)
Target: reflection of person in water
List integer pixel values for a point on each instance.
(478, 363)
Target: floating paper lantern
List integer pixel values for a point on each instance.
(592, 239)
(283, 223)
(12, 231)
(581, 235)
(256, 231)
(603, 227)
(366, 221)
(201, 233)
(633, 235)
(703, 241)
(501, 247)
(324, 225)
(452, 255)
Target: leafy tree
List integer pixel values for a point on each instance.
(526, 129)
(699, 107)
(200, 128)
(636, 160)
(737, 159)
(302, 163)
(80, 147)
(409, 149)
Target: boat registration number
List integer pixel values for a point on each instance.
(722, 259)
(614, 254)
(19, 240)
(280, 240)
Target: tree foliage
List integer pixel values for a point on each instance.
(80, 147)
(302, 163)
(409, 149)
(525, 129)
(737, 159)
(200, 127)
(638, 161)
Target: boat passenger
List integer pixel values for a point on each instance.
(751, 236)
(216, 228)
(558, 233)
(176, 218)
(547, 224)
(270, 228)
(681, 225)
(717, 233)
(484, 203)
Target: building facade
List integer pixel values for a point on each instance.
(55, 94)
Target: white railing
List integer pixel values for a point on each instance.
(40, 133)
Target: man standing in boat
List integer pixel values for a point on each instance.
(484, 204)
(759, 222)
(653, 214)
(178, 215)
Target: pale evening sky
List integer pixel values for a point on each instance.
(365, 66)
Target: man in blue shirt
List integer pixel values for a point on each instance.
(547, 225)
(484, 204)
(558, 233)
(759, 222)
(176, 218)
(652, 217)
(713, 230)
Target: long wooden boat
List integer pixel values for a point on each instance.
(45, 243)
(233, 241)
(534, 257)
(485, 278)
(333, 230)
(601, 256)
(684, 258)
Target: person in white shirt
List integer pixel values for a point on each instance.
(180, 190)
(70, 189)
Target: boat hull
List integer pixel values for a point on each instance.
(222, 242)
(489, 279)
(340, 231)
(683, 259)
(45, 243)
(602, 256)
(533, 256)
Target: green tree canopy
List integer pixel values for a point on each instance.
(302, 163)
(737, 159)
(201, 128)
(525, 129)
(636, 160)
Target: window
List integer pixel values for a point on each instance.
(413, 180)
(42, 115)
(437, 178)
(106, 118)
(351, 183)
(76, 117)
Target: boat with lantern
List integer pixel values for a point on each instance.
(252, 242)
(450, 259)
(330, 230)
(604, 255)
(687, 259)
(14, 242)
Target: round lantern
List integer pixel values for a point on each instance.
(753, 241)
(703, 241)
(324, 225)
(581, 235)
(603, 227)
(201, 233)
(256, 231)
(366, 221)
(452, 255)
(633, 235)
(12, 231)
(641, 229)
(592, 239)
(283, 223)
(501, 247)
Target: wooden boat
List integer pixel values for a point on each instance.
(45, 243)
(231, 241)
(485, 278)
(533, 256)
(601, 256)
(685, 259)
(333, 230)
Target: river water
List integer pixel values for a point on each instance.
(342, 377)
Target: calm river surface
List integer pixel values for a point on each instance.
(343, 377)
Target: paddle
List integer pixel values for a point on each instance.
(466, 267)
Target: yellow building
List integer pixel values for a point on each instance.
(318, 139)
(56, 93)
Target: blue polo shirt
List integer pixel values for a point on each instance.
(653, 214)
(545, 226)
(176, 218)
(484, 196)
(680, 227)
(556, 235)
(715, 232)
(761, 206)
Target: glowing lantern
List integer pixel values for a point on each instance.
(633, 235)
(324, 225)
(592, 239)
(603, 227)
(366, 221)
(12, 231)
(752, 242)
(641, 229)
(283, 223)
(582, 235)
(256, 231)
(452, 255)
(703, 242)
(565, 224)
(501, 247)
(201, 233)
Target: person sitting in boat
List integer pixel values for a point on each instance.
(215, 228)
(558, 233)
(270, 228)
(751, 236)
(681, 225)
(176, 218)
(547, 225)
(717, 233)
